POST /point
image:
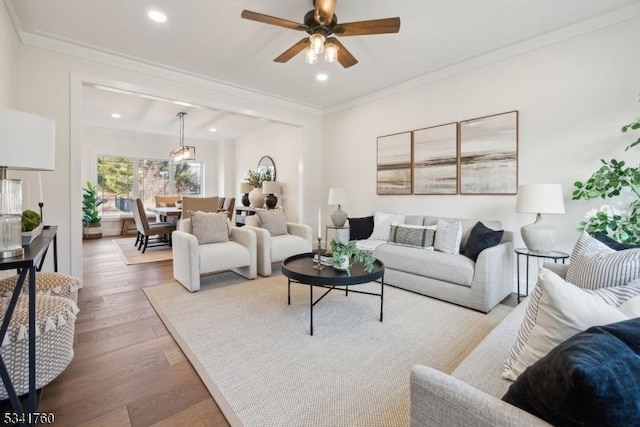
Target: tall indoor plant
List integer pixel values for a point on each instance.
(614, 178)
(92, 227)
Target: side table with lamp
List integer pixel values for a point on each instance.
(33, 140)
(541, 236)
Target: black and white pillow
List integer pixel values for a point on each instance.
(417, 236)
(382, 223)
(594, 265)
(448, 237)
(557, 310)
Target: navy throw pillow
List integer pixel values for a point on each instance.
(613, 244)
(360, 228)
(592, 379)
(480, 238)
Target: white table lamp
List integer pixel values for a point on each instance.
(540, 236)
(338, 196)
(28, 143)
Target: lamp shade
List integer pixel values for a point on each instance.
(245, 187)
(540, 198)
(270, 187)
(32, 140)
(338, 196)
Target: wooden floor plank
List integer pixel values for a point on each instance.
(127, 369)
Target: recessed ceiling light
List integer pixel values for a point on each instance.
(213, 130)
(322, 77)
(116, 115)
(157, 16)
(184, 104)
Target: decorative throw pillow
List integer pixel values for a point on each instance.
(480, 238)
(210, 227)
(594, 265)
(557, 310)
(418, 236)
(382, 223)
(590, 379)
(448, 237)
(273, 221)
(360, 228)
(613, 244)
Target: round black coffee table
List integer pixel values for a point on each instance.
(300, 269)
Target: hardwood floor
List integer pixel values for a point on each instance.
(127, 369)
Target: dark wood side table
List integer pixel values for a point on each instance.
(554, 255)
(299, 269)
(27, 265)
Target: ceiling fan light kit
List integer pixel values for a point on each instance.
(320, 24)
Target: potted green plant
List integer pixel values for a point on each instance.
(344, 254)
(612, 179)
(255, 179)
(92, 228)
(31, 226)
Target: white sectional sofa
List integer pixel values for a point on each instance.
(479, 285)
(471, 395)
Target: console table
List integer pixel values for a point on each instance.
(27, 265)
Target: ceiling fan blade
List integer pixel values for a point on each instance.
(272, 20)
(324, 11)
(293, 50)
(361, 28)
(345, 58)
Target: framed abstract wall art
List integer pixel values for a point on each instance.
(394, 164)
(435, 160)
(489, 154)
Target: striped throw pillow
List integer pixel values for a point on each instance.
(448, 237)
(594, 265)
(382, 223)
(412, 235)
(612, 296)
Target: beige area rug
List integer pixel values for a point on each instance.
(256, 357)
(131, 255)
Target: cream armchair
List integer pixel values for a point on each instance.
(191, 260)
(272, 249)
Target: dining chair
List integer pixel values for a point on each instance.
(228, 206)
(147, 230)
(202, 204)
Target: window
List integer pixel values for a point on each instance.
(118, 187)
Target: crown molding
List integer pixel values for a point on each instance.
(518, 48)
(103, 56)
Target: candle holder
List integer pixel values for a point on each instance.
(317, 263)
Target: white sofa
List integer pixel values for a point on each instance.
(272, 249)
(190, 259)
(471, 395)
(479, 285)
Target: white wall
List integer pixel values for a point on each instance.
(9, 56)
(573, 97)
(284, 145)
(51, 85)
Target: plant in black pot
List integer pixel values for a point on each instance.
(92, 228)
(344, 254)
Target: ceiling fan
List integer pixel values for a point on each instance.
(321, 23)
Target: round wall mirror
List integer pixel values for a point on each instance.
(267, 164)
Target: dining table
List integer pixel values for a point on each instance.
(162, 213)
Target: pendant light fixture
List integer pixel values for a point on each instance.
(184, 153)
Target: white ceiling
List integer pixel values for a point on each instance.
(152, 115)
(207, 38)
